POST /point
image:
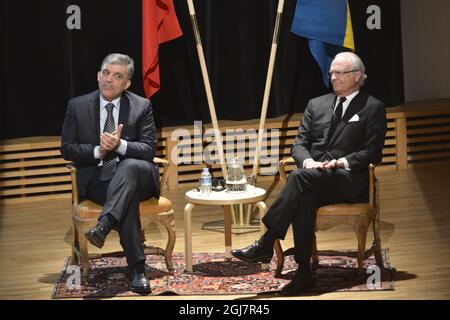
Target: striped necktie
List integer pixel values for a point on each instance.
(109, 166)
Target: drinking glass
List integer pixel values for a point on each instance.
(251, 183)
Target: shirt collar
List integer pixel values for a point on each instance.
(349, 98)
(103, 102)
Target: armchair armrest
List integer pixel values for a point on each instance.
(161, 162)
(373, 182)
(73, 176)
(164, 164)
(374, 190)
(282, 168)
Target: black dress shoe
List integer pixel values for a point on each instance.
(253, 253)
(302, 281)
(97, 235)
(140, 283)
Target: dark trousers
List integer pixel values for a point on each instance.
(120, 197)
(304, 192)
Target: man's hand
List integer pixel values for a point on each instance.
(333, 164)
(324, 165)
(314, 165)
(110, 141)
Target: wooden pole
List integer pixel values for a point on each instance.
(273, 52)
(212, 109)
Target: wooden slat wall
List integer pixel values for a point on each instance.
(32, 168)
(188, 173)
(428, 138)
(243, 146)
(417, 132)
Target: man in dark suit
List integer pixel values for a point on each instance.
(341, 133)
(110, 135)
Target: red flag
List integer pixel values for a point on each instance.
(159, 24)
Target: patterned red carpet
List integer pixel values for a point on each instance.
(337, 271)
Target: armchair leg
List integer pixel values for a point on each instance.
(315, 253)
(75, 246)
(280, 257)
(143, 239)
(361, 234)
(84, 254)
(168, 220)
(377, 244)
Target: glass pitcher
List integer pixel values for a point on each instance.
(235, 170)
(235, 181)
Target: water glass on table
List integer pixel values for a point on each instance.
(251, 183)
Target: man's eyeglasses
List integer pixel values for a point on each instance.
(340, 73)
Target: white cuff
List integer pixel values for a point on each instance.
(307, 160)
(122, 149)
(346, 166)
(97, 152)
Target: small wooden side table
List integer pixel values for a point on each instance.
(225, 199)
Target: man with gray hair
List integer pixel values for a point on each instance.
(110, 135)
(341, 133)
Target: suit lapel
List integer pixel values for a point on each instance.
(355, 105)
(124, 113)
(94, 115)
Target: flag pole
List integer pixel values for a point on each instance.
(209, 96)
(265, 103)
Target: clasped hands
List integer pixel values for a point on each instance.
(324, 165)
(109, 142)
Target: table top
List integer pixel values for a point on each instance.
(226, 198)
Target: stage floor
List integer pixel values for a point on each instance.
(415, 226)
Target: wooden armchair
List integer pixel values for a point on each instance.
(358, 215)
(85, 215)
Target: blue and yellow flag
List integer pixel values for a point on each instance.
(328, 26)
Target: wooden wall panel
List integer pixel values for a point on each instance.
(33, 169)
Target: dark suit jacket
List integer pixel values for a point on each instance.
(81, 133)
(360, 142)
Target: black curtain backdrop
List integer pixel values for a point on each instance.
(45, 64)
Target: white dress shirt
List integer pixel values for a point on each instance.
(122, 149)
(345, 105)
